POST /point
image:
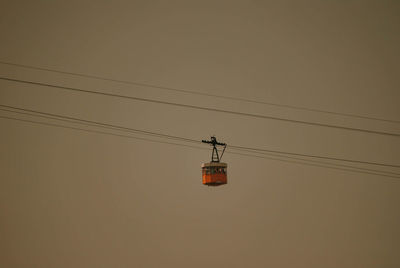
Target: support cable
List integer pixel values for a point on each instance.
(198, 93)
(121, 128)
(376, 172)
(201, 107)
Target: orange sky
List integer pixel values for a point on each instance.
(76, 199)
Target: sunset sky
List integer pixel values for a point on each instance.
(74, 197)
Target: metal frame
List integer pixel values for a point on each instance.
(214, 156)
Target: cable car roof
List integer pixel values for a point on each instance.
(214, 164)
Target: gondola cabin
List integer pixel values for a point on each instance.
(214, 173)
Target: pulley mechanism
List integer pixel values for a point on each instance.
(215, 157)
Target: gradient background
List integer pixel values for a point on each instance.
(77, 199)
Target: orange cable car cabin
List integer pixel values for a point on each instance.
(214, 173)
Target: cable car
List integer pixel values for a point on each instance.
(214, 173)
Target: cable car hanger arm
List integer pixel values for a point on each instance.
(215, 157)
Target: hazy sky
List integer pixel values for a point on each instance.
(76, 199)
